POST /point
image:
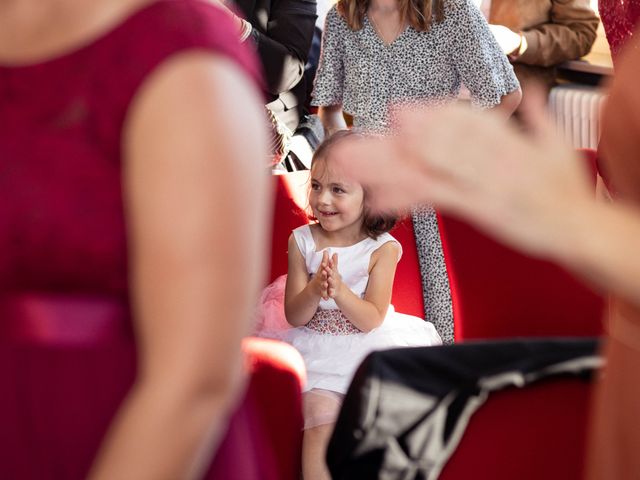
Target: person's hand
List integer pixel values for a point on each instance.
(509, 41)
(334, 280)
(520, 188)
(319, 281)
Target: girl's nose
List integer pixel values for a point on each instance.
(324, 197)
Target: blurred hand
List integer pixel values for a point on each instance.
(520, 188)
(508, 40)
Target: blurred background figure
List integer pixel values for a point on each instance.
(380, 53)
(281, 31)
(537, 35)
(130, 153)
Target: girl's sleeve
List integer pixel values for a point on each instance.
(482, 65)
(329, 81)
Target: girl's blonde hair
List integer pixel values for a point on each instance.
(374, 224)
(420, 14)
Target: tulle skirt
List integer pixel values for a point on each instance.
(331, 360)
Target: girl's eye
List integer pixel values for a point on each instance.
(338, 190)
(315, 186)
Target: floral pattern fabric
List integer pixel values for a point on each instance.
(332, 322)
(360, 72)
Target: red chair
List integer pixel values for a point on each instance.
(264, 437)
(500, 293)
(539, 431)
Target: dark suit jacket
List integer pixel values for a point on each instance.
(282, 33)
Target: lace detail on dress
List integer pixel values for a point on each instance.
(332, 322)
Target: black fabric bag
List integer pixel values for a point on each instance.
(407, 408)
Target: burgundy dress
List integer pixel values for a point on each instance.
(619, 18)
(67, 347)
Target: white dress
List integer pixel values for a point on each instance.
(331, 346)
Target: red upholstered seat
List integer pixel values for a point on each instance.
(407, 286)
(532, 433)
(265, 432)
(288, 214)
(500, 293)
(538, 431)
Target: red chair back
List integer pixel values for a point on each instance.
(526, 433)
(538, 431)
(498, 292)
(407, 286)
(287, 216)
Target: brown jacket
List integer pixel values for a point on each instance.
(555, 31)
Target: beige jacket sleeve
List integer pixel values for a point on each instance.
(568, 35)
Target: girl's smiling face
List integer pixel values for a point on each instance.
(336, 201)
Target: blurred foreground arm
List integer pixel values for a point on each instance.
(196, 262)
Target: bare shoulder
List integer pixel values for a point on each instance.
(293, 250)
(184, 110)
(387, 252)
(193, 75)
(293, 244)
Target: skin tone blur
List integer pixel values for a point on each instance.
(186, 195)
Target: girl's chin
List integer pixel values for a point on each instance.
(327, 224)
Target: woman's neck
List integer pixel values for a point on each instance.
(384, 6)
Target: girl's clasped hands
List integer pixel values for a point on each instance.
(328, 277)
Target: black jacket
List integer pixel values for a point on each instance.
(282, 33)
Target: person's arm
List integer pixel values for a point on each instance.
(329, 82)
(366, 313)
(302, 295)
(568, 35)
(482, 65)
(332, 119)
(197, 264)
(598, 243)
(509, 103)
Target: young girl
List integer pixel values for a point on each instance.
(378, 53)
(337, 295)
